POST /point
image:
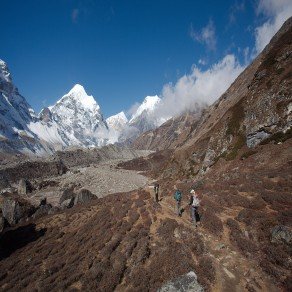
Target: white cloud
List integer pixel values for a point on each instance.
(277, 12)
(199, 87)
(75, 15)
(206, 36)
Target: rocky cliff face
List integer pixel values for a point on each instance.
(15, 115)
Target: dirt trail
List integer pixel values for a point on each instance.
(234, 272)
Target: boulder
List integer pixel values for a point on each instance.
(67, 194)
(185, 283)
(24, 187)
(42, 210)
(16, 208)
(84, 196)
(282, 233)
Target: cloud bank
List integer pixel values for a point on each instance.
(277, 12)
(198, 88)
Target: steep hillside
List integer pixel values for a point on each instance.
(239, 159)
(256, 107)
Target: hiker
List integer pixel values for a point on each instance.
(178, 197)
(194, 203)
(156, 191)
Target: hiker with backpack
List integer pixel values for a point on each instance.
(156, 192)
(194, 203)
(178, 196)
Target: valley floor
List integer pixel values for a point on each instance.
(101, 179)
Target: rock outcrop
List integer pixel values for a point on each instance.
(185, 283)
(15, 208)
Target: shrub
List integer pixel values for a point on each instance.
(212, 222)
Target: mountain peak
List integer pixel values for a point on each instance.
(77, 88)
(79, 94)
(148, 105)
(4, 71)
(118, 118)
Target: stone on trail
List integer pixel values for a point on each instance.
(185, 283)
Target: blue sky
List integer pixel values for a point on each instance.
(121, 51)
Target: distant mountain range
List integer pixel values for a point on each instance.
(75, 120)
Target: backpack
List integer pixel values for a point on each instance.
(177, 196)
(195, 202)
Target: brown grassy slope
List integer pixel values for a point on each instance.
(244, 200)
(123, 242)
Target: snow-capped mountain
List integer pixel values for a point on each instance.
(80, 118)
(143, 119)
(117, 122)
(75, 120)
(147, 106)
(15, 115)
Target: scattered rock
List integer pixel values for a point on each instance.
(281, 233)
(220, 246)
(84, 196)
(16, 208)
(185, 283)
(24, 187)
(229, 274)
